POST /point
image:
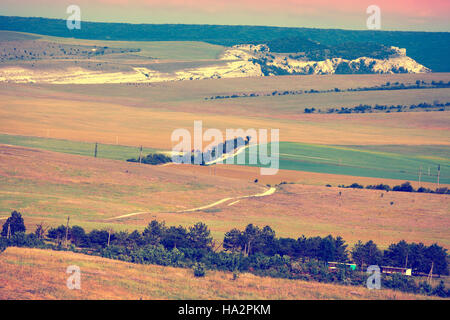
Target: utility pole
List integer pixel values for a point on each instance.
(140, 154)
(406, 263)
(430, 275)
(95, 150)
(439, 173)
(109, 235)
(8, 233)
(67, 232)
(420, 175)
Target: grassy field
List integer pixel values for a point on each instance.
(296, 104)
(105, 151)
(48, 172)
(49, 112)
(47, 187)
(380, 161)
(389, 162)
(40, 274)
(195, 92)
(163, 50)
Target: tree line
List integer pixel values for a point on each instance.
(404, 187)
(254, 249)
(419, 84)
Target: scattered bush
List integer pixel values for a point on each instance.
(199, 270)
(153, 159)
(13, 224)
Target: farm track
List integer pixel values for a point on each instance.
(268, 192)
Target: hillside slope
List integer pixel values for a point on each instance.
(41, 274)
(41, 59)
(431, 49)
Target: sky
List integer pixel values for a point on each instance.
(417, 15)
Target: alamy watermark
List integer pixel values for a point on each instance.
(232, 151)
(74, 20)
(74, 280)
(373, 22)
(374, 280)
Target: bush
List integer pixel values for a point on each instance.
(440, 290)
(153, 159)
(425, 288)
(400, 282)
(199, 269)
(14, 224)
(405, 187)
(379, 187)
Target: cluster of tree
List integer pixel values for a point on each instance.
(420, 84)
(156, 233)
(13, 233)
(363, 108)
(256, 250)
(227, 147)
(419, 257)
(153, 159)
(404, 187)
(254, 240)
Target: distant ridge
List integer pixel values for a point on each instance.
(431, 49)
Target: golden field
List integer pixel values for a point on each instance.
(41, 274)
(48, 186)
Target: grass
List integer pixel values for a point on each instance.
(295, 104)
(49, 187)
(367, 161)
(40, 274)
(164, 50)
(170, 50)
(105, 151)
(148, 115)
(390, 162)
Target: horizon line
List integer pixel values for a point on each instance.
(225, 25)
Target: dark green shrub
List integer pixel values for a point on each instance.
(199, 269)
(14, 224)
(440, 290)
(425, 288)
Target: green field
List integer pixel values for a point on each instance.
(385, 161)
(106, 151)
(390, 162)
(170, 50)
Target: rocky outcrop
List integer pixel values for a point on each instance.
(275, 63)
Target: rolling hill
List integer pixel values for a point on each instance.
(431, 49)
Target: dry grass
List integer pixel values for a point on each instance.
(247, 173)
(147, 116)
(41, 274)
(354, 215)
(47, 186)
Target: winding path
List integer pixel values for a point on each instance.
(268, 192)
